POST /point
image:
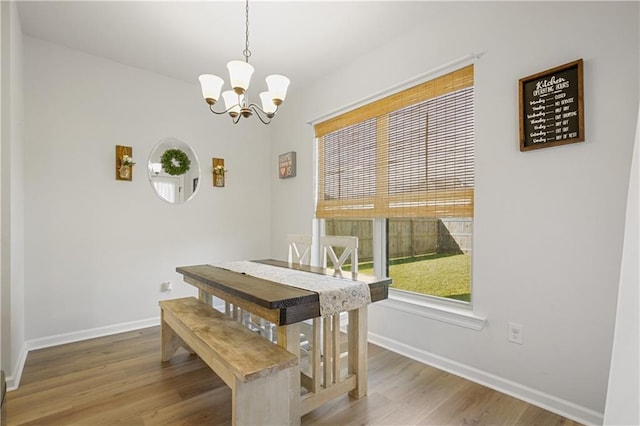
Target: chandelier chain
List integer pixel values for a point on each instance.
(246, 52)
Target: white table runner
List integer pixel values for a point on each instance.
(336, 294)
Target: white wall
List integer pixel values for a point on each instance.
(4, 122)
(623, 393)
(548, 223)
(17, 189)
(12, 260)
(98, 249)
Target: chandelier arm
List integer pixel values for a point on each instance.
(222, 112)
(260, 118)
(259, 111)
(236, 119)
(257, 108)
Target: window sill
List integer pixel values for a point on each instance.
(449, 311)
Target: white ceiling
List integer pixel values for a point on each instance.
(300, 39)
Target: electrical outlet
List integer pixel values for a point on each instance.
(515, 333)
(166, 286)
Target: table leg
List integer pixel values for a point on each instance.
(357, 337)
(205, 297)
(289, 339)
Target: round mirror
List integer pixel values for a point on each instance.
(174, 170)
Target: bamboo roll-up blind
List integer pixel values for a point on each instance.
(410, 154)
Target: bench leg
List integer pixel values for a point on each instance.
(262, 401)
(170, 341)
(288, 337)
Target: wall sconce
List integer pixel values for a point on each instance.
(124, 163)
(218, 171)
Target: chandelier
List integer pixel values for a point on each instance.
(237, 100)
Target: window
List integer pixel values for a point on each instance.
(406, 160)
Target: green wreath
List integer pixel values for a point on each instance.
(175, 162)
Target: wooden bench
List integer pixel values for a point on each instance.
(257, 371)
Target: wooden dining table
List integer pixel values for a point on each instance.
(288, 307)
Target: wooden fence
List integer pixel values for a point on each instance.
(408, 237)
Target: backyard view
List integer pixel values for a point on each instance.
(429, 256)
(443, 275)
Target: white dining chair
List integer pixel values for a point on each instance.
(321, 342)
(300, 254)
(299, 249)
(328, 244)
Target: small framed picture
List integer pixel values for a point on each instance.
(287, 165)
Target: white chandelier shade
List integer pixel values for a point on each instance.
(240, 75)
(278, 85)
(211, 87)
(232, 102)
(268, 104)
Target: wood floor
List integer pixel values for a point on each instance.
(120, 380)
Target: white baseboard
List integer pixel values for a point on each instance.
(13, 381)
(548, 402)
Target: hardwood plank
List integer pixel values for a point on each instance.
(85, 356)
(535, 416)
(473, 404)
(120, 380)
(203, 408)
(357, 412)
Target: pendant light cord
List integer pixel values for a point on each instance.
(246, 52)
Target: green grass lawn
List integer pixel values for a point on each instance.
(444, 275)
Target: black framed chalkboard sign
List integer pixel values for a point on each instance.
(551, 107)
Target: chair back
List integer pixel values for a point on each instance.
(299, 249)
(350, 246)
